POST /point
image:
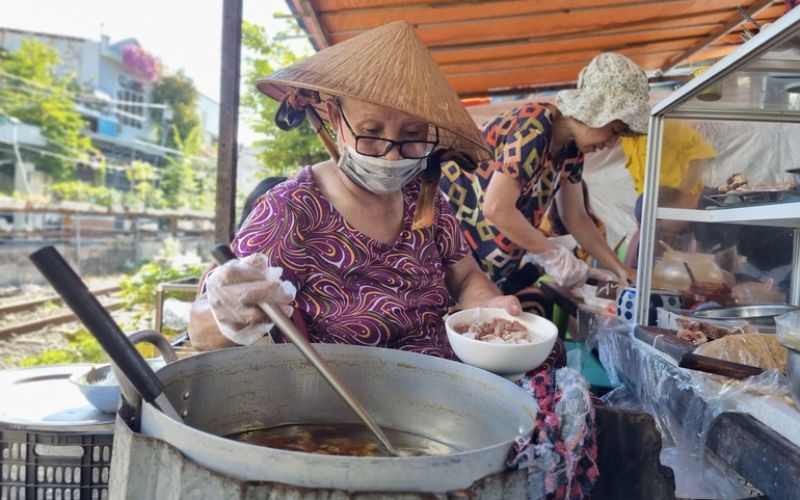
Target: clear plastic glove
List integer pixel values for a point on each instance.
(234, 289)
(602, 274)
(564, 267)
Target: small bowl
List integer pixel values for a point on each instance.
(104, 395)
(796, 173)
(509, 360)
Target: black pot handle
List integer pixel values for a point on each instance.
(97, 320)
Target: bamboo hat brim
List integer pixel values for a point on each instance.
(388, 66)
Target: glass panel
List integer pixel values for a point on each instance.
(731, 264)
(727, 164)
(771, 82)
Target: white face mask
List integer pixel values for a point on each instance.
(377, 175)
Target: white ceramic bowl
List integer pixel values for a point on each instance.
(104, 396)
(509, 360)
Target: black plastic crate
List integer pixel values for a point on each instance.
(46, 465)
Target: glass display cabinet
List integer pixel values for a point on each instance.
(726, 229)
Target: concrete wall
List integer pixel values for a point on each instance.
(97, 257)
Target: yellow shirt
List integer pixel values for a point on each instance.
(681, 145)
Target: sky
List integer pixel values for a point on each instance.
(182, 33)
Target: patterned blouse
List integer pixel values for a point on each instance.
(520, 140)
(352, 289)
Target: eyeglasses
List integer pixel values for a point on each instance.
(380, 146)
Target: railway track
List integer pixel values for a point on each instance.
(57, 317)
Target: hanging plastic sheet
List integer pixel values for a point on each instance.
(683, 403)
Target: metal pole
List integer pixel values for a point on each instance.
(794, 299)
(159, 308)
(648, 229)
(228, 119)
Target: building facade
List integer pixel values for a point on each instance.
(115, 98)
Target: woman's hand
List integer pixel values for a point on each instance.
(562, 265)
(235, 289)
(628, 273)
(508, 302)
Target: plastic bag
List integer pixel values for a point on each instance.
(652, 382)
(235, 288)
(754, 292)
(788, 329)
(755, 349)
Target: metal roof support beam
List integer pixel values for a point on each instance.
(228, 120)
(716, 35)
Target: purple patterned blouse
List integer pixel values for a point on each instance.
(352, 289)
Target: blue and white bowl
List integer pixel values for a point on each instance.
(103, 390)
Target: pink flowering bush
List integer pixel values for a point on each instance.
(145, 65)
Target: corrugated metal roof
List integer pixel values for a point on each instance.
(507, 46)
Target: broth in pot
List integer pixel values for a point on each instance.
(353, 440)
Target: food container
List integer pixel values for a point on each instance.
(229, 391)
(100, 387)
(761, 315)
(670, 272)
(509, 360)
(796, 174)
(626, 303)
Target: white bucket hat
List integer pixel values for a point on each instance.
(611, 87)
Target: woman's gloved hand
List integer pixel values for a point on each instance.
(234, 289)
(564, 267)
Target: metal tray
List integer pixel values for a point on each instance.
(41, 397)
(757, 315)
(747, 198)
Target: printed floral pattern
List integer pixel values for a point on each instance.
(611, 87)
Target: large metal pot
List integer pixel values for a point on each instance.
(232, 390)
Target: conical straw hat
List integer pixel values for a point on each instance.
(388, 66)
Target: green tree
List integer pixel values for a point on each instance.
(179, 93)
(31, 91)
(144, 192)
(188, 180)
(282, 153)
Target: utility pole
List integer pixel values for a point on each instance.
(228, 119)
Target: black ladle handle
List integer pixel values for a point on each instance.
(101, 325)
(223, 254)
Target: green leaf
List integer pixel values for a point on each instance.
(282, 153)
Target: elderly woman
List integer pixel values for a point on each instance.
(367, 241)
(368, 248)
(538, 157)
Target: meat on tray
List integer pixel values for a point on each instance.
(497, 331)
(699, 332)
(695, 337)
(735, 182)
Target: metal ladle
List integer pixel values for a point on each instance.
(223, 254)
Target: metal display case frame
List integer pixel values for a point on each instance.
(683, 104)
